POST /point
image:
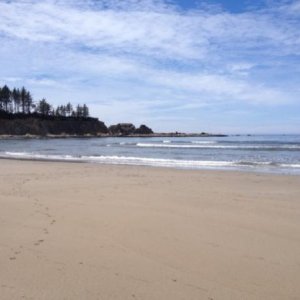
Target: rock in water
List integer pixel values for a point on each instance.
(143, 129)
(124, 129)
(121, 129)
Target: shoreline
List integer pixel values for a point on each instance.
(80, 231)
(232, 168)
(66, 136)
(222, 172)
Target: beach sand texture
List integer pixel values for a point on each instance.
(84, 231)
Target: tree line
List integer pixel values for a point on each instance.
(20, 101)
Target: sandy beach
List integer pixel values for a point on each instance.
(84, 231)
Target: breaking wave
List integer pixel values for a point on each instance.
(209, 145)
(145, 161)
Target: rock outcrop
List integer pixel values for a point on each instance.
(121, 129)
(125, 129)
(143, 129)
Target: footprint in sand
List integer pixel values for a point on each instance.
(38, 242)
(16, 253)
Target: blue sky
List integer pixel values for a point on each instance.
(233, 6)
(216, 66)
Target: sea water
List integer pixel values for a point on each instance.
(260, 153)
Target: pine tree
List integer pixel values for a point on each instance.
(69, 109)
(23, 99)
(1, 103)
(28, 102)
(16, 101)
(85, 111)
(16, 95)
(5, 98)
(78, 111)
(43, 107)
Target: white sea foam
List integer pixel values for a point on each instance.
(144, 161)
(159, 162)
(290, 165)
(33, 156)
(209, 146)
(166, 145)
(204, 142)
(156, 161)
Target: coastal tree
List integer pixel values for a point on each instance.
(85, 111)
(16, 96)
(79, 111)
(1, 101)
(69, 109)
(60, 111)
(82, 111)
(5, 98)
(23, 99)
(43, 107)
(28, 102)
(20, 101)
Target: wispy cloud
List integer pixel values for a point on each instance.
(149, 29)
(139, 55)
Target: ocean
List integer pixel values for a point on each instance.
(258, 153)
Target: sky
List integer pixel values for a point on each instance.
(190, 66)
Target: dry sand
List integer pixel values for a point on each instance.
(83, 231)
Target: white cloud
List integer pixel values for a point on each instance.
(167, 33)
(149, 54)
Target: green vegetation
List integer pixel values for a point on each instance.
(20, 102)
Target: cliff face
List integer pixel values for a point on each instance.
(42, 127)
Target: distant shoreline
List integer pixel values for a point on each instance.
(65, 136)
(38, 125)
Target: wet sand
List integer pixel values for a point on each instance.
(83, 231)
